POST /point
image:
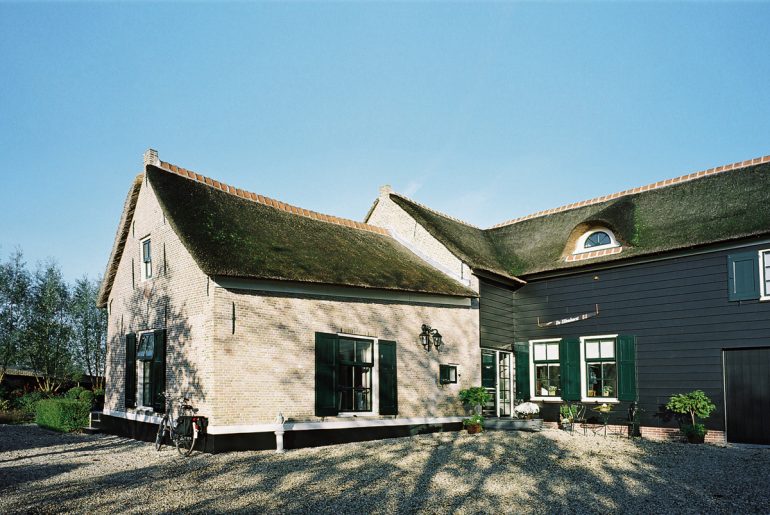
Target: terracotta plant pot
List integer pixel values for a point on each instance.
(473, 428)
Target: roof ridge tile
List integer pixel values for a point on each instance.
(652, 186)
(267, 201)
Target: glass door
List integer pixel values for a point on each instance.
(496, 377)
(504, 384)
(489, 381)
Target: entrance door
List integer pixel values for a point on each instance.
(747, 395)
(496, 378)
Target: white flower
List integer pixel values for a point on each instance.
(527, 408)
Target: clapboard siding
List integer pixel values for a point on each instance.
(495, 316)
(677, 308)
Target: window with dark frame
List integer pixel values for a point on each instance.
(354, 384)
(545, 357)
(447, 374)
(601, 368)
(146, 259)
(144, 355)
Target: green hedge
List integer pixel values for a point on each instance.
(62, 414)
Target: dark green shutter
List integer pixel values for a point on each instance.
(130, 374)
(626, 368)
(521, 353)
(443, 374)
(569, 362)
(158, 372)
(743, 276)
(388, 378)
(326, 374)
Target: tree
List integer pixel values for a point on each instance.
(47, 346)
(14, 309)
(89, 330)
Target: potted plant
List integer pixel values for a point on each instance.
(567, 415)
(698, 406)
(526, 421)
(475, 397)
(474, 424)
(607, 391)
(551, 390)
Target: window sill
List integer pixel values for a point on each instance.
(599, 400)
(546, 399)
(764, 299)
(352, 414)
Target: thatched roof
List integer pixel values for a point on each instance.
(120, 241)
(723, 204)
(234, 233)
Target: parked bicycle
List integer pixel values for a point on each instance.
(185, 429)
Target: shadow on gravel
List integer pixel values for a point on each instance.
(443, 473)
(16, 476)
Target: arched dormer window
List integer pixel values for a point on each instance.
(595, 239)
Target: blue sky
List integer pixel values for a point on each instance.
(485, 112)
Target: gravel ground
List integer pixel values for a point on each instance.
(552, 471)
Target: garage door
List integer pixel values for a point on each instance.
(747, 394)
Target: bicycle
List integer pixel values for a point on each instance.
(185, 429)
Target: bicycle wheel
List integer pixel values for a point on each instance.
(159, 437)
(185, 444)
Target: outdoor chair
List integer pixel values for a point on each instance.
(579, 417)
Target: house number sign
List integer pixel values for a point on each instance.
(576, 318)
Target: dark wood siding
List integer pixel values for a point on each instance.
(495, 316)
(677, 308)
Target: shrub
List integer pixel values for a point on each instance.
(62, 414)
(696, 405)
(5, 405)
(475, 395)
(74, 392)
(28, 401)
(87, 396)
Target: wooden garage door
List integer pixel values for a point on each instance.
(747, 394)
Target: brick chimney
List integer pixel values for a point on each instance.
(385, 190)
(151, 157)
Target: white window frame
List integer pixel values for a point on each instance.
(764, 294)
(532, 377)
(583, 379)
(142, 264)
(375, 378)
(580, 245)
(140, 384)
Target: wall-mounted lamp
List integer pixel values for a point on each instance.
(430, 336)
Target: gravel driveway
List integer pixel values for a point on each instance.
(43, 471)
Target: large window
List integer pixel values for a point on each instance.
(144, 355)
(764, 274)
(545, 357)
(601, 371)
(355, 375)
(356, 360)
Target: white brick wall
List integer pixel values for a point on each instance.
(389, 215)
(175, 298)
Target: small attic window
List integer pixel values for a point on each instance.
(595, 239)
